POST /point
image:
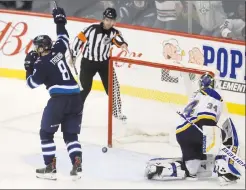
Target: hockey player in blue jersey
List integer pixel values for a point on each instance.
(201, 154)
(47, 65)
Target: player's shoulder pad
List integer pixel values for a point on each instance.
(211, 92)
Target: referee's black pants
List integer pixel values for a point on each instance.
(87, 72)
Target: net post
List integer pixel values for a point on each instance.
(110, 102)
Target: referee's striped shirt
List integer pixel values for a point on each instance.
(97, 42)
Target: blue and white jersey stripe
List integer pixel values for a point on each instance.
(74, 147)
(64, 89)
(48, 149)
(31, 83)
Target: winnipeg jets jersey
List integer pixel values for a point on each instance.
(53, 71)
(206, 105)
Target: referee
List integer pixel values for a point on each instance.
(97, 40)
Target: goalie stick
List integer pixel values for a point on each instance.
(234, 157)
(71, 56)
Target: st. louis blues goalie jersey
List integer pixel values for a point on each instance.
(204, 108)
(204, 111)
(198, 145)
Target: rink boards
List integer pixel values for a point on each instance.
(18, 28)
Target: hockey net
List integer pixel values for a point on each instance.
(149, 94)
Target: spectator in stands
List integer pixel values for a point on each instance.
(77, 8)
(41, 6)
(211, 16)
(3, 5)
(230, 7)
(167, 15)
(184, 16)
(23, 5)
(145, 13)
(16, 5)
(92, 8)
(141, 13)
(234, 26)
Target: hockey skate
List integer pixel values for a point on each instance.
(77, 169)
(49, 172)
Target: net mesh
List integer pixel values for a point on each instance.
(148, 95)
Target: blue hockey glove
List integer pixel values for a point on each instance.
(59, 16)
(30, 59)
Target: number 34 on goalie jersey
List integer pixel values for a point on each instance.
(207, 104)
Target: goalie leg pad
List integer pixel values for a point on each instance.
(206, 167)
(164, 169)
(226, 173)
(211, 140)
(228, 170)
(153, 167)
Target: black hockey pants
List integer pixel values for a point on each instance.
(87, 72)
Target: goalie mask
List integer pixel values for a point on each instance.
(42, 43)
(206, 81)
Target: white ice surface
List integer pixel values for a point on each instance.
(20, 113)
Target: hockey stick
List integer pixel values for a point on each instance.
(71, 55)
(224, 148)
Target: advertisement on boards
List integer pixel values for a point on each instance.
(18, 30)
(230, 62)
